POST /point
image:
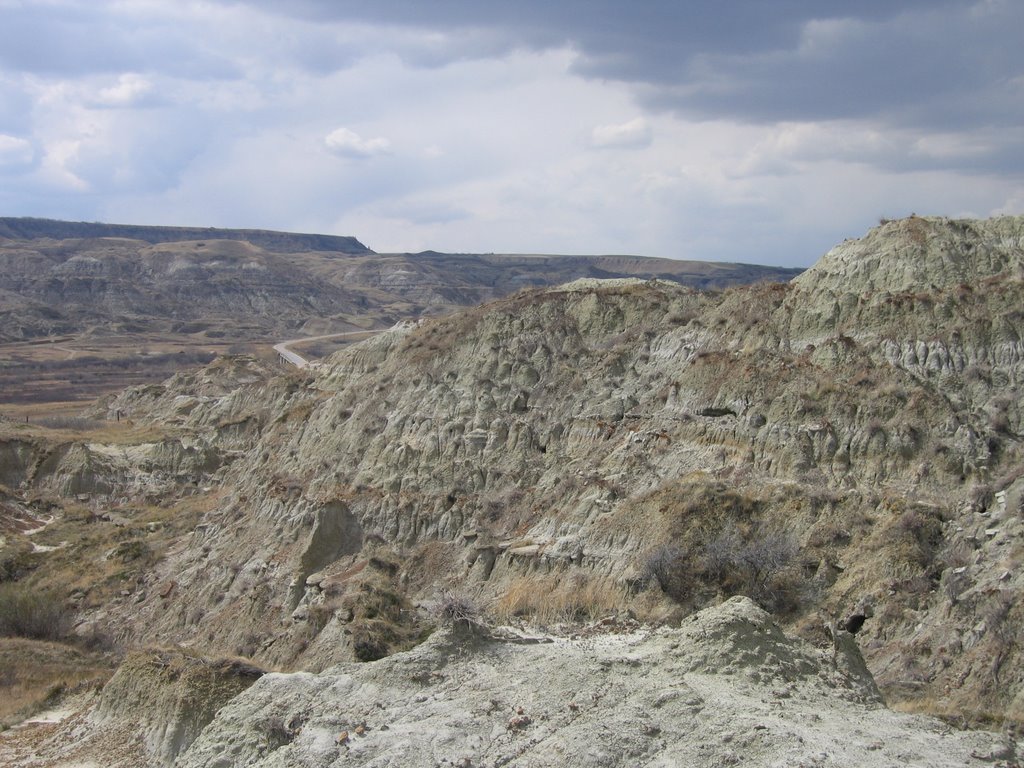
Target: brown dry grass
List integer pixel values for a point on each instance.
(954, 713)
(560, 598)
(34, 673)
(118, 549)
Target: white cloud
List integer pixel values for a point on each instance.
(479, 134)
(347, 143)
(130, 89)
(636, 134)
(15, 151)
(57, 164)
(1013, 206)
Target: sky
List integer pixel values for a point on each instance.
(737, 130)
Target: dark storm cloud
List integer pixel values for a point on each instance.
(913, 62)
(950, 68)
(626, 33)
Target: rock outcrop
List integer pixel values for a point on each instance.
(152, 709)
(727, 687)
(166, 697)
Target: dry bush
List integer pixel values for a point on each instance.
(276, 732)
(372, 640)
(1000, 631)
(29, 613)
(381, 621)
(670, 567)
(560, 598)
(753, 565)
(916, 534)
(16, 560)
(457, 611)
(717, 541)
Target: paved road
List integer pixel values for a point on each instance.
(298, 360)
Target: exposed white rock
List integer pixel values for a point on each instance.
(726, 688)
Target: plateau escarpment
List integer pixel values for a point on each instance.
(849, 442)
(60, 277)
(88, 309)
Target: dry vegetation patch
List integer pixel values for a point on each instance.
(100, 551)
(561, 598)
(34, 674)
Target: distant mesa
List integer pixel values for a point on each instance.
(284, 242)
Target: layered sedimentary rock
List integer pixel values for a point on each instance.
(846, 441)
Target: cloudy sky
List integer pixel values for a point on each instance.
(745, 130)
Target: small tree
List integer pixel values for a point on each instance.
(749, 565)
(764, 556)
(668, 566)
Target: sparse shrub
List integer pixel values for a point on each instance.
(131, 550)
(681, 317)
(16, 561)
(376, 611)
(383, 564)
(828, 534)
(369, 645)
(765, 555)
(277, 732)
(917, 536)
(39, 615)
(668, 565)
(720, 554)
(1001, 631)
(320, 615)
(457, 610)
(751, 565)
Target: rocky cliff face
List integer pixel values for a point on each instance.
(124, 284)
(848, 442)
